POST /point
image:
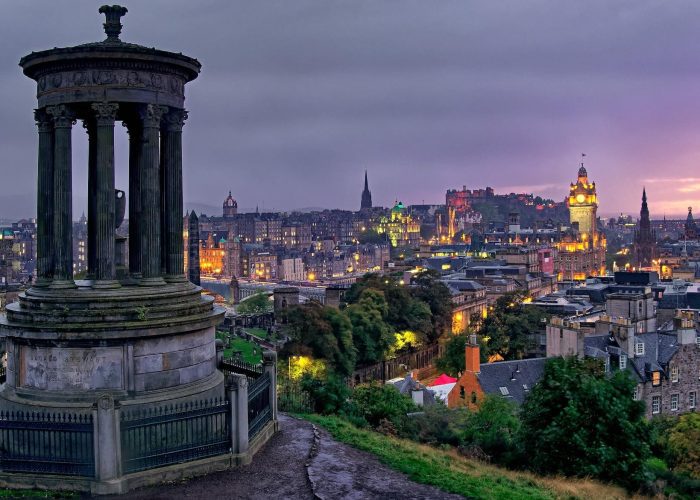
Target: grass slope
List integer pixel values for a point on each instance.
(454, 473)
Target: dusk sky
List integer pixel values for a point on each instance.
(298, 97)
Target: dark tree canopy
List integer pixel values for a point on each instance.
(257, 304)
(579, 422)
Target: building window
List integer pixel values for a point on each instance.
(635, 396)
(639, 349)
(504, 391)
(674, 402)
(674, 373)
(692, 399)
(623, 361)
(656, 404)
(461, 391)
(656, 378)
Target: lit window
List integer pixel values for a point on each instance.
(692, 399)
(623, 361)
(674, 373)
(656, 378)
(656, 404)
(674, 402)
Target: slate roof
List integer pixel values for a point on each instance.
(517, 377)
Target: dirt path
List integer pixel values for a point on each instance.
(300, 462)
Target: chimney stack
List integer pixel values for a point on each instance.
(471, 355)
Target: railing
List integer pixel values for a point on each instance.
(47, 443)
(259, 407)
(231, 365)
(169, 435)
(292, 398)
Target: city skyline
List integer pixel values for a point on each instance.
(503, 95)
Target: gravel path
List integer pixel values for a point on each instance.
(299, 462)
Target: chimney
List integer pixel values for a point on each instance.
(471, 356)
(685, 328)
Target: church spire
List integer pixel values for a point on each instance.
(366, 201)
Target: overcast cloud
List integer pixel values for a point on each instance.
(297, 97)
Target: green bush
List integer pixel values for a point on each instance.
(327, 395)
(376, 403)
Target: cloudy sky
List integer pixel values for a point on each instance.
(297, 97)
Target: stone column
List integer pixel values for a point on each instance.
(89, 125)
(44, 205)
(105, 417)
(150, 229)
(171, 144)
(237, 392)
(135, 131)
(63, 118)
(270, 367)
(105, 270)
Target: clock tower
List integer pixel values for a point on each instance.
(583, 204)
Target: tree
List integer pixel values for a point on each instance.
(377, 402)
(579, 422)
(431, 291)
(684, 445)
(404, 312)
(323, 332)
(256, 304)
(507, 329)
(495, 429)
(452, 361)
(371, 334)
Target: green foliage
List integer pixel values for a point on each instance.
(578, 422)
(452, 361)
(404, 312)
(327, 396)
(431, 291)
(507, 328)
(372, 336)
(376, 403)
(256, 304)
(495, 429)
(323, 332)
(438, 425)
(684, 445)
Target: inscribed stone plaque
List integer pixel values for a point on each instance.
(66, 369)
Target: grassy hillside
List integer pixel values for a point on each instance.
(454, 473)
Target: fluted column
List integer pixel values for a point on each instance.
(150, 229)
(44, 205)
(89, 125)
(63, 118)
(105, 270)
(171, 144)
(135, 131)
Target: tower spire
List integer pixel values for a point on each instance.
(366, 201)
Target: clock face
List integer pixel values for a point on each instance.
(580, 198)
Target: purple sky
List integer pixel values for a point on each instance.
(297, 98)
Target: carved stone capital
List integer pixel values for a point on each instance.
(43, 120)
(63, 116)
(152, 114)
(105, 112)
(269, 357)
(236, 381)
(174, 120)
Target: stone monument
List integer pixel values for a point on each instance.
(143, 335)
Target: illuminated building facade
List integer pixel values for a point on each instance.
(211, 256)
(400, 227)
(581, 251)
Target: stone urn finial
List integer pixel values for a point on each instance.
(113, 25)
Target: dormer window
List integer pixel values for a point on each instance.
(656, 378)
(639, 349)
(504, 391)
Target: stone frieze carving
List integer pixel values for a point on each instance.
(119, 77)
